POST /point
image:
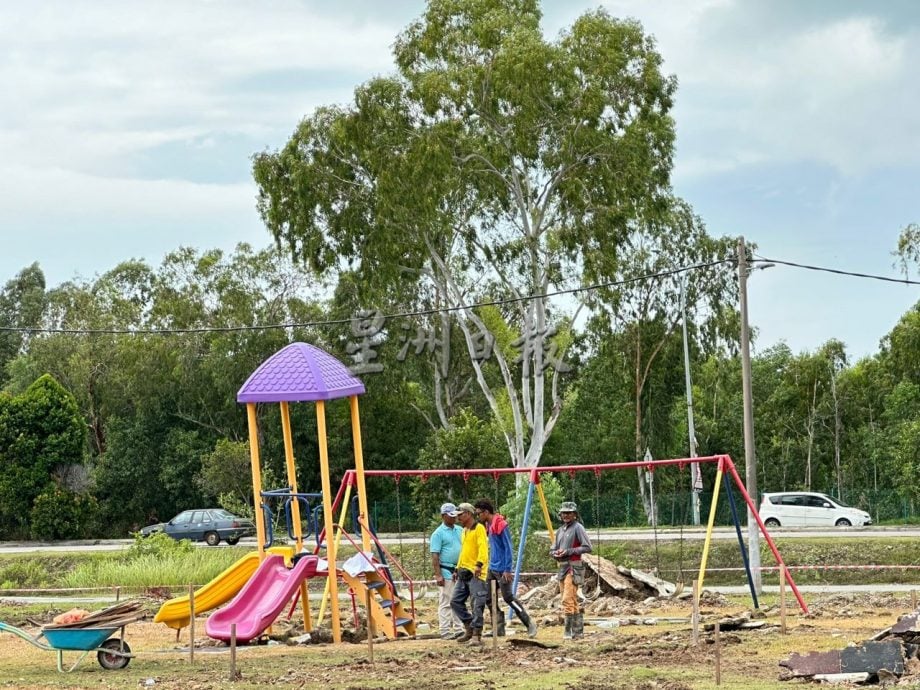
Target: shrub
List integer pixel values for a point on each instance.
(158, 546)
(61, 514)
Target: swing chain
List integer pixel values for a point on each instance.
(399, 514)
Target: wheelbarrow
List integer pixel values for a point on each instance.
(112, 653)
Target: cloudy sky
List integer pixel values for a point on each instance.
(127, 129)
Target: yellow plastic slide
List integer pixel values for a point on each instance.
(176, 613)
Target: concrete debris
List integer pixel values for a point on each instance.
(872, 657)
(608, 590)
(906, 624)
(742, 622)
(885, 657)
(840, 678)
(812, 664)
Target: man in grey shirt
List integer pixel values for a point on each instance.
(570, 544)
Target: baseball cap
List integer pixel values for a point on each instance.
(466, 508)
(449, 509)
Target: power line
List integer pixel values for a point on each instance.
(836, 271)
(760, 260)
(340, 322)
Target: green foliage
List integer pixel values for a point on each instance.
(514, 511)
(26, 573)
(468, 443)
(157, 563)
(226, 473)
(22, 301)
(62, 514)
(41, 430)
(158, 545)
(535, 550)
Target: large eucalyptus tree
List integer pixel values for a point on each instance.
(495, 163)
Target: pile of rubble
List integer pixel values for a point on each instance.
(884, 658)
(608, 589)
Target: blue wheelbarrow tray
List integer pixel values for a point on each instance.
(77, 639)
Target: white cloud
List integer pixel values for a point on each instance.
(102, 80)
(837, 91)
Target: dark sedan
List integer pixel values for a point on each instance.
(205, 524)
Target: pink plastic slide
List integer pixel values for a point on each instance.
(260, 601)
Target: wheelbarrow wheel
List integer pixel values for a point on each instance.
(110, 661)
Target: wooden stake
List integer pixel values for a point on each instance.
(718, 646)
(191, 624)
(117, 594)
(695, 614)
(232, 652)
(370, 626)
(913, 600)
(493, 583)
(782, 599)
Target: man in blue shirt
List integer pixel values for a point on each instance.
(445, 552)
(500, 567)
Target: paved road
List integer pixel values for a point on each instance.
(606, 535)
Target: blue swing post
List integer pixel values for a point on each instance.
(744, 557)
(522, 542)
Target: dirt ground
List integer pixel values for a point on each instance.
(647, 653)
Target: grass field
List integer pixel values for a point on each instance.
(637, 656)
(644, 657)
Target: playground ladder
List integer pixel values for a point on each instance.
(389, 613)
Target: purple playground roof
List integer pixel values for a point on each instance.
(299, 372)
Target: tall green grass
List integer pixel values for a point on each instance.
(151, 562)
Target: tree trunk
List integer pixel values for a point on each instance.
(837, 428)
(810, 429)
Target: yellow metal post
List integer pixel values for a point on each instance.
(712, 520)
(256, 476)
(295, 503)
(327, 518)
(291, 472)
(359, 471)
(337, 538)
(549, 522)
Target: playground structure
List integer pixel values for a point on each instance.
(303, 373)
(260, 584)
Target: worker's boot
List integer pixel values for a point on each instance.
(567, 635)
(525, 618)
(467, 634)
(578, 626)
(475, 638)
(531, 625)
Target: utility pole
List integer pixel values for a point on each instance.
(750, 459)
(696, 481)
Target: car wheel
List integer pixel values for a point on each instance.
(772, 522)
(843, 522)
(212, 538)
(113, 662)
(233, 541)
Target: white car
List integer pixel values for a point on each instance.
(807, 509)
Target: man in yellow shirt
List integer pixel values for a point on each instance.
(472, 571)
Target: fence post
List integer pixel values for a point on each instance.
(191, 624)
(782, 600)
(718, 651)
(232, 652)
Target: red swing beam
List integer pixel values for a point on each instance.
(724, 462)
